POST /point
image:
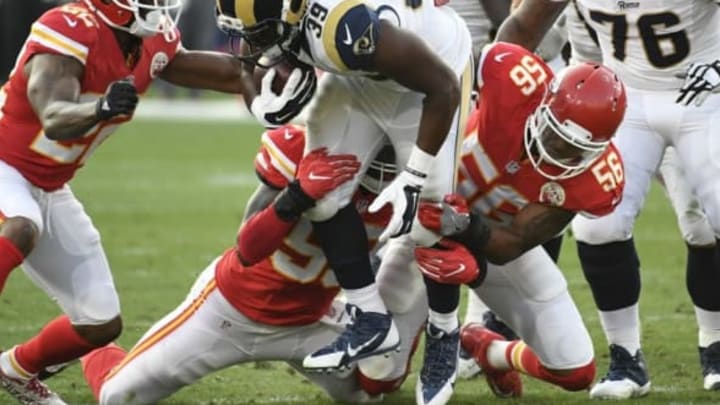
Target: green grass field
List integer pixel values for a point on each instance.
(168, 197)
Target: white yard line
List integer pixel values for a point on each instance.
(228, 110)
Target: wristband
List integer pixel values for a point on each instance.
(476, 236)
(419, 162)
(292, 202)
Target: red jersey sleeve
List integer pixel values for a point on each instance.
(598, 190)
(279, 154)
(70, 30)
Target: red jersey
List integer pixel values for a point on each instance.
(496, 177)
(294, 285)
(71, 30)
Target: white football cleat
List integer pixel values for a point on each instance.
(29, 392)
(627, 376)
(710, 362)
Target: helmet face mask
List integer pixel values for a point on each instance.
(575, 122)
(262, 41)
(267, 42)
(381, 171)
(142, 18)
(567, 145)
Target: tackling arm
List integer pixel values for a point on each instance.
(533, 225)
(528, 24)
(209, 70)
(54, 92)
(267, 224)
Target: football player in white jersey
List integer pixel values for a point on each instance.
(651, 45)
(397, 70)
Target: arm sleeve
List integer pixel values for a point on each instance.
(261, 235)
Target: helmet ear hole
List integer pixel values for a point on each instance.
(295, 6)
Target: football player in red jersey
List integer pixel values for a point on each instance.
(77, 78)
(540, 152)
(270, 297)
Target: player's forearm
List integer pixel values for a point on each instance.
(527, 25)
(63, 120)
(438, 111)
(261, 235)
(513, 31)
(495, 243)
(207, 70)
(264, 232)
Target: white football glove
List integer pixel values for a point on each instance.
(274, 110)
(701, 79)
(404, 195)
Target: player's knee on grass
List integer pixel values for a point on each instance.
(615, 227)
(378, 387)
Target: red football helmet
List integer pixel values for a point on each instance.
(575, 121)
(142, 18)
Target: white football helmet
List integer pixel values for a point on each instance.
(381, 171)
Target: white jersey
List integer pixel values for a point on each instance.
(649, 43)
(340, 35)
(583, 39)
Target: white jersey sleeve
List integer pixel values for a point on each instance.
(341, 35)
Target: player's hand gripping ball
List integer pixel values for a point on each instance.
(283, 91)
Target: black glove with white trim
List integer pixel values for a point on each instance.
(120, 98)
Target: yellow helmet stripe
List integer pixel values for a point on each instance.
(244, 10)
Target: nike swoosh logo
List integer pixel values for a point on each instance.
(499, 57)
(348, 37)
(70, 22)
(287, 135)
(313, 176)
(459, 270)
(353, 351)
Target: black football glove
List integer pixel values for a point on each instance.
(120, 98)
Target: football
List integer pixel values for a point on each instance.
(282, 73)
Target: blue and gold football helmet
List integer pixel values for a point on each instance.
(268, 28)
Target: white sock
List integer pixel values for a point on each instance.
(366, 298)
(475, 308)
(496, 354)
(708, 326)
(622, 327)
(11, 368)
(445, 322)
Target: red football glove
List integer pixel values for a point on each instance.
(448, 263)
(319, 173)
(450, 217)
